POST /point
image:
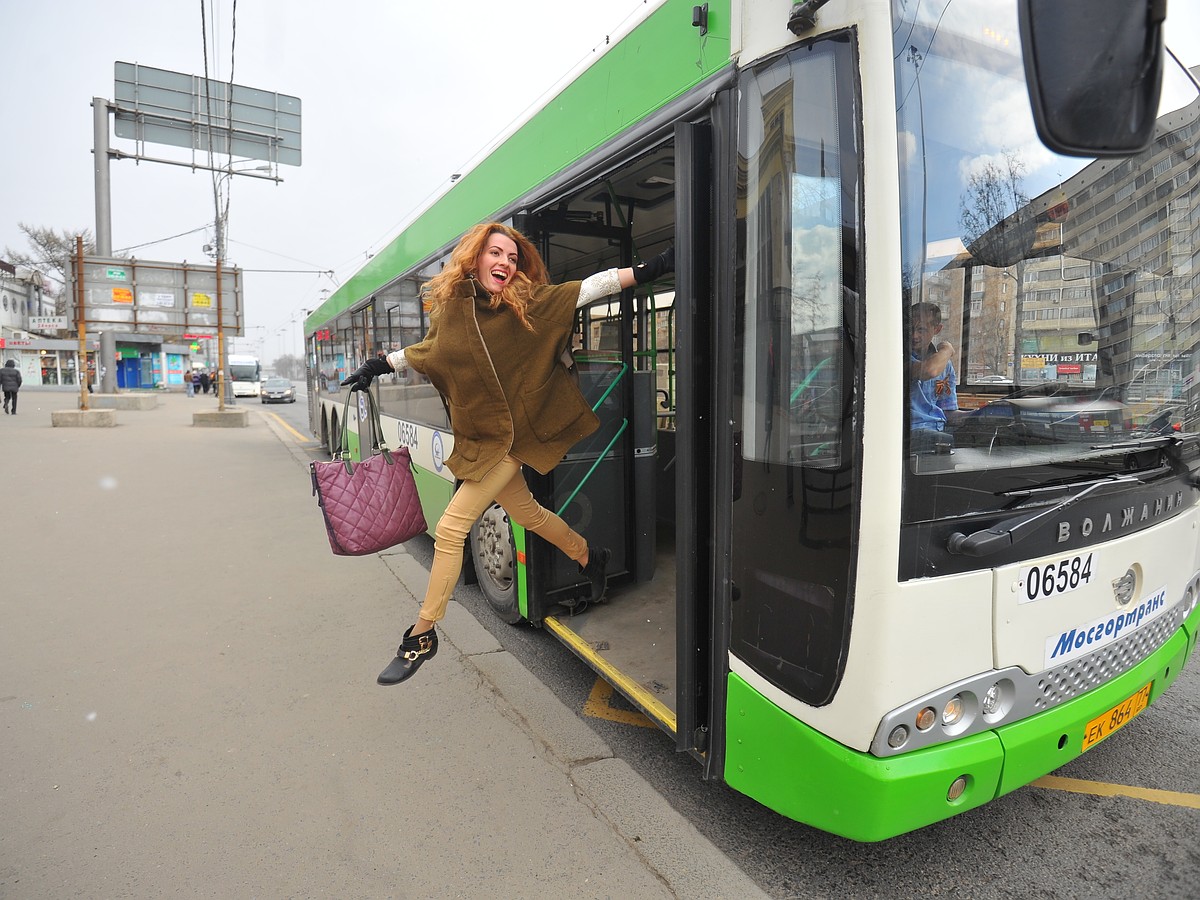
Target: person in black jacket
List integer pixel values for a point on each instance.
(10, 383)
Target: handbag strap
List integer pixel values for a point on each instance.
(377, 442)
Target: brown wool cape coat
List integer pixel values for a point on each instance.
(506, 389)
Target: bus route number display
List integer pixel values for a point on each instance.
(1050, 579)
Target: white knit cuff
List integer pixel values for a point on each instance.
(396, 360)
(602, 284)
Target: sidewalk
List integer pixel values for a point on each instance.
(188, 703)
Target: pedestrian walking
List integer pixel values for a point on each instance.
(187, 382)
(195, 383)
(10, 383)
(493, 303)
(204, 380)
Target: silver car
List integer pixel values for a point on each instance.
(277, 390)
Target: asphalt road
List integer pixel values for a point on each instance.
(1040, 841)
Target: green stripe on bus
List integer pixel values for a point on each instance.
(522, 570)
(795, 770)
(617, 91)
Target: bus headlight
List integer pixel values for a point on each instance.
(959, 712)
(991, 700)
(952, 712)
(997, 701)
(926, 718)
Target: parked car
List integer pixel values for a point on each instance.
(1034, 421)
(277, 390)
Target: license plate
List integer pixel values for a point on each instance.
(1102, 726)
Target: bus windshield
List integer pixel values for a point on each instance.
(1051, 301)
(244, 371)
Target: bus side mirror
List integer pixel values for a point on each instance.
(1094, 72)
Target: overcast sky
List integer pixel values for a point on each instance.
(397, 95)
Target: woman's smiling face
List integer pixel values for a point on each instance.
(497, 263)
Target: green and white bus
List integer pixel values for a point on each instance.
(860, 629)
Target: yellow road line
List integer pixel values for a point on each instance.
(597, 706)
(298, 435)
(1102, 789)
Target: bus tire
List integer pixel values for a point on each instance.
(494, 557)
(335, 437)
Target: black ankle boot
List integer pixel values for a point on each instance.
(595, 571)
(412, 652)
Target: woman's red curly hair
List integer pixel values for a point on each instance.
(517, 294)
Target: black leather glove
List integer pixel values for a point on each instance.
(362, 377)
(656, 268)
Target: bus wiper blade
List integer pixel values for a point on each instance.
(1005, 534)
(1156, 440)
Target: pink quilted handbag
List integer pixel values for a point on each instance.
(370, 505)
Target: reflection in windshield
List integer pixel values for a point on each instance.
(798, 207)
(1068, 287)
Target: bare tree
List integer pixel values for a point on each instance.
(993, 194)
(998, 230)
(289, 366)
(50, 254)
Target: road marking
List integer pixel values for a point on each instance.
(301, 438)
(1103, 789)
(598, 707)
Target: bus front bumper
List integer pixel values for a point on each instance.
(798, 772)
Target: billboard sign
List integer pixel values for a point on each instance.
(163, 298)
(163, 107)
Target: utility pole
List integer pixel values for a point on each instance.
(107, 357)
(81, 366)
(222, 356)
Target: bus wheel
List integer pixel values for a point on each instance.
(494, 556)
(334, 437)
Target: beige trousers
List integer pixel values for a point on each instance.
(505, 485)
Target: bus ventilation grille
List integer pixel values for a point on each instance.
(1081, 675)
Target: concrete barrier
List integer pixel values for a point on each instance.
(123, 401)
(83, 418)
(216, 418)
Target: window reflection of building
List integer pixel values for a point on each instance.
(1135, 306)
(790, 197)
(1106, 291)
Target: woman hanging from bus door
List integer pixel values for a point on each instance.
(497, 328)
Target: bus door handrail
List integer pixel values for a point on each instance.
(604, 453)
(808, 378)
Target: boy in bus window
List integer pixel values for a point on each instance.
(933, 393)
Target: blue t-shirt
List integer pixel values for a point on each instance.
(930, 398)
